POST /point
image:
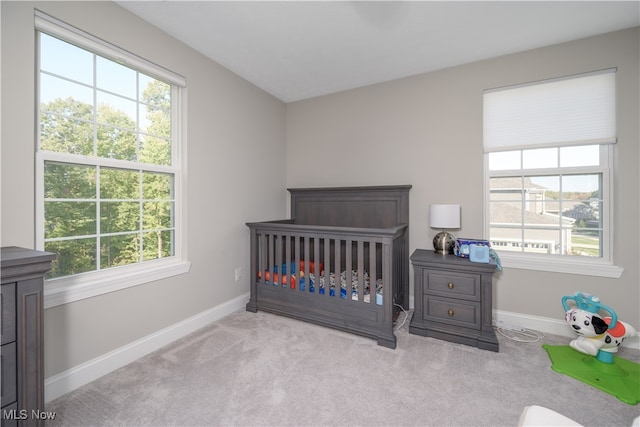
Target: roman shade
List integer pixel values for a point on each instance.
(573, 110)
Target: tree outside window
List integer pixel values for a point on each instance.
(107, 148)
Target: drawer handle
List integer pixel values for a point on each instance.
(450, 285)
(451, 312)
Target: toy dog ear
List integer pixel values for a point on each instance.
(599, 325)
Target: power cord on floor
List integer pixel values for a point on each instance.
(406, 315)
(521, 335)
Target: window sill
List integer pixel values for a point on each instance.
(596, 268)
(69, 289)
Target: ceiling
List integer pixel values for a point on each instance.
(299, 49)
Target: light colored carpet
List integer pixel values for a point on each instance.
(258, 369)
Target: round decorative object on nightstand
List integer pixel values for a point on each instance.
(443, 243)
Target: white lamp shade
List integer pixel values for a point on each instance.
(444, 216)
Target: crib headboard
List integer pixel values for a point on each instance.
(368, 207)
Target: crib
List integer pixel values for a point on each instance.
(341, 261)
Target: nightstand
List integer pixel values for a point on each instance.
(453, 299)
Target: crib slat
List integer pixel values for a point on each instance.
(270, 255)
(337, 244)
(307, 277)
(327, 266)
(373, 247)
(297, 260)
(287, 260)
(261, 260)
(316, 261)
(279, 260)
(348, 267)
(360, 270)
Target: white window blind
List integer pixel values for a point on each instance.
(575, 110)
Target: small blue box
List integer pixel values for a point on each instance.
(479, 253)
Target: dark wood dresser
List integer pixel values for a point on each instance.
(22, 360)
(453, 299)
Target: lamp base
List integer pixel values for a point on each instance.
(443, 243)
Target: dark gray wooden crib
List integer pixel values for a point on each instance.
(341, 261)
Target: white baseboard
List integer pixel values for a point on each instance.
(510, 320)
(64, 382)
(546, 325)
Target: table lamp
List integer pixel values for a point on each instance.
(444, 216)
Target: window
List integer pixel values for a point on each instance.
(548, 173)
(108, 161)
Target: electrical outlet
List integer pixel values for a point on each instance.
(238, 273)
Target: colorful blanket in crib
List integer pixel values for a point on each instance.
(286, 280)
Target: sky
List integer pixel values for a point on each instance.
(117, 84)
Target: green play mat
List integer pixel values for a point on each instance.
(620, 378)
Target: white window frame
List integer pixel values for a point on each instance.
(63, 290)
(600, 266)
(592, 266)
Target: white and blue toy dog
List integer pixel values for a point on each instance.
(598, 335)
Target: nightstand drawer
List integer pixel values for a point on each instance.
(453, 312)
(454, 285)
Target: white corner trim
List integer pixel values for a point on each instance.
(546, 325)
(64, 382)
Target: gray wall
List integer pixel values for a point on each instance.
(426, 130)
(234, 129)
